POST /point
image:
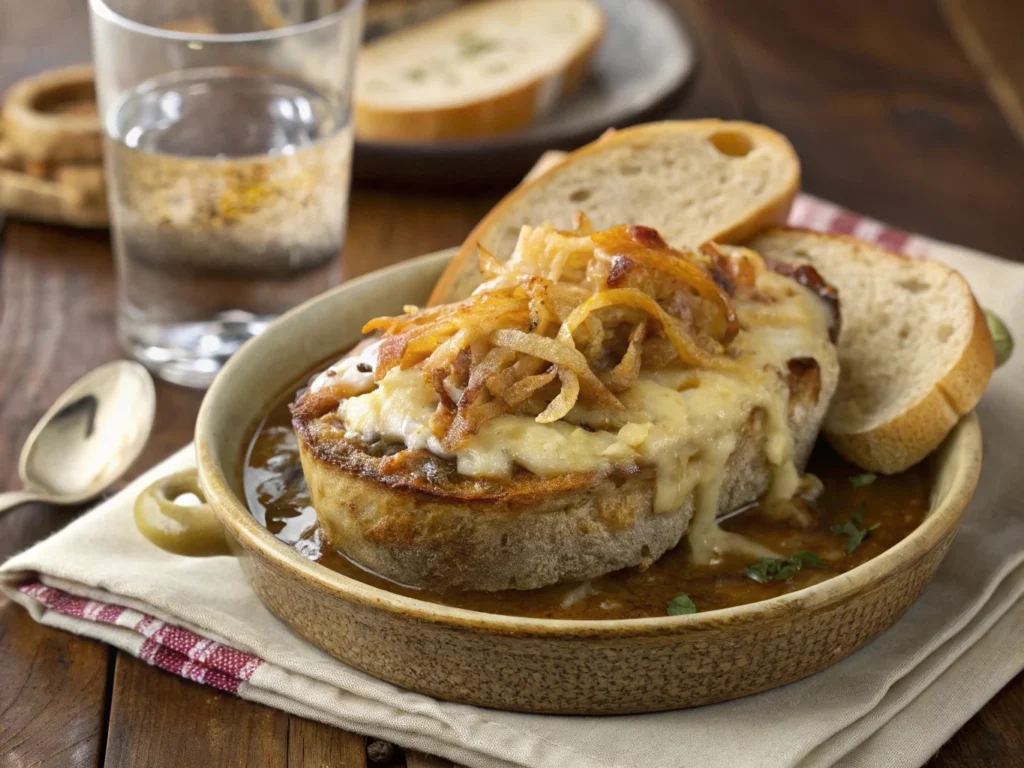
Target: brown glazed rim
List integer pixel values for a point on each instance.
(964, 442)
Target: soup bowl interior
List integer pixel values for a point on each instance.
(538, 665)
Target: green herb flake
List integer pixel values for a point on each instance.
(773, 569)
(809, 558)
(863, 481)
(681, 605)
(854, 530)
(471, 44)
(1002, 341)
(416, 74)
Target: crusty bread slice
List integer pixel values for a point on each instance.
(693, 181)
(481, 70)
(914, 348)
(447, 533)
(713, 441)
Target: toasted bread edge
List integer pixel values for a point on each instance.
(464, 264)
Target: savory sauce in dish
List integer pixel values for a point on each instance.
(855, 517)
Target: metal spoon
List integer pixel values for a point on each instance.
(88, 438)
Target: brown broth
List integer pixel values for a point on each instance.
(278, 498)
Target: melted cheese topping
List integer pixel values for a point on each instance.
(685, 423)
(353, 374)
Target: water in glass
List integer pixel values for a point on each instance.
(230, 194)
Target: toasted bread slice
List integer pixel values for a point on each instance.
(914, 348)
(411, 518)
(522, 502)
(693, 181)
(481, 70)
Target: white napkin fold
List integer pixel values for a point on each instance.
(891, 704)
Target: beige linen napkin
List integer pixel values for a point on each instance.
(891, 704)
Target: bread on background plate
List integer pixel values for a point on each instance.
(481, 70)
(693, 181)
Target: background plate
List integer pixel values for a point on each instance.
(645, 59)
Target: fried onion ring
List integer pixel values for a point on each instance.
(565, 400)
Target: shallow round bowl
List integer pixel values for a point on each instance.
(539, 665)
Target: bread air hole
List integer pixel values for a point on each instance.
(945, 331)
(580, 196)
(731, 143)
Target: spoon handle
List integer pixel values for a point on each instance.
(13, 499)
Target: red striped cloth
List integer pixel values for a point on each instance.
(814, 213)
(169, 647)
(184, 653)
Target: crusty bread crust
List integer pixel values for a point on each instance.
(522, 541)
(425, 526)
(462, 274)
(903, 441)
(506, 112)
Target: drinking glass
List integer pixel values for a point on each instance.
(228, 157)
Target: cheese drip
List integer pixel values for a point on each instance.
(685, 423)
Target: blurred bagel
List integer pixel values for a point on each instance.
(52, 116)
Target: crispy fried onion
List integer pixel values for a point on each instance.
(642, 260)
(571, 317)
(566, 357)
(686, 347)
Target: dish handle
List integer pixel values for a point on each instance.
(190, 529)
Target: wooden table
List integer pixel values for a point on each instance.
(891, 118)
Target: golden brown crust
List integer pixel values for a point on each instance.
(902, 442)
(439, 541)
(909, 438)
(409, 516)
(421, 472)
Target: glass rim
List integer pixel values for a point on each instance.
(104, 11)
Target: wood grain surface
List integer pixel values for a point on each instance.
(989, 31)
(891, 117)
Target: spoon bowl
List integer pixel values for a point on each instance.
(88, 438)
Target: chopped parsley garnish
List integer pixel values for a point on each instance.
(774, 569)
(681, 605)
(809, 558)
(863, 481)
(854, 530)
